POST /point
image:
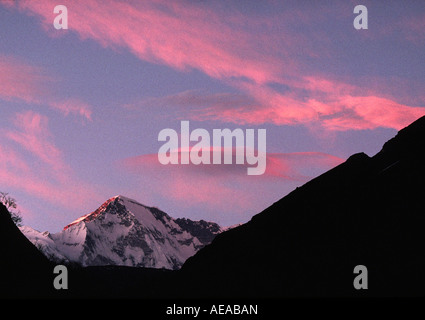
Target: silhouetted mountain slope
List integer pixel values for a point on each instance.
(367, 211)
(24, 271)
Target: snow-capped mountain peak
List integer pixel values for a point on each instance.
(123, 231)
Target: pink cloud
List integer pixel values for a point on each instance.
(73, 106)
(372, 112)
(227, 185)
(179, 35)
(32, 134)
(332, 104)
(23, 82)
(242, 51)
(31, 162)
(335, 106)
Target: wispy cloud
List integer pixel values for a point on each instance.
(242, 51)
(245, 52)
(32, 135)
(30, 161)
(181, 35)
(332, 105)
(224, 186)
(21, 81)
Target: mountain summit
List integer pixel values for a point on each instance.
(125, 232)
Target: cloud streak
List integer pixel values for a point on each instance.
(244, 51)
(20, 81)
(227, 185)
(30, 161)
(180, 35)
(332, 105)
(32, 135)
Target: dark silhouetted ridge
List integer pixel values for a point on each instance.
(24, 270)
(367, 211)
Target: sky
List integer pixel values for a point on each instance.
(81, 108)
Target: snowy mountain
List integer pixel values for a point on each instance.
(124, 232)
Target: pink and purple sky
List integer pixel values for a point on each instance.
(81, 108)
